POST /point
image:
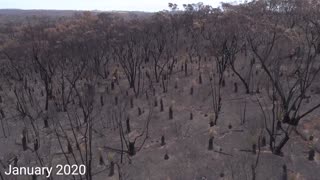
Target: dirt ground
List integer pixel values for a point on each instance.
(186, 140)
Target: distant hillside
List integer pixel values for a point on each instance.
(19, 12)
(60, 13)
(18, 15)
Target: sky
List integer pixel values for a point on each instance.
(104, 5)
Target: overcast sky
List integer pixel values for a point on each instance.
(127, 5)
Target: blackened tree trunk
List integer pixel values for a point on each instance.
(111, 172)
(210, 146)
(132, 149)
(128, 125)
(24, 143)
